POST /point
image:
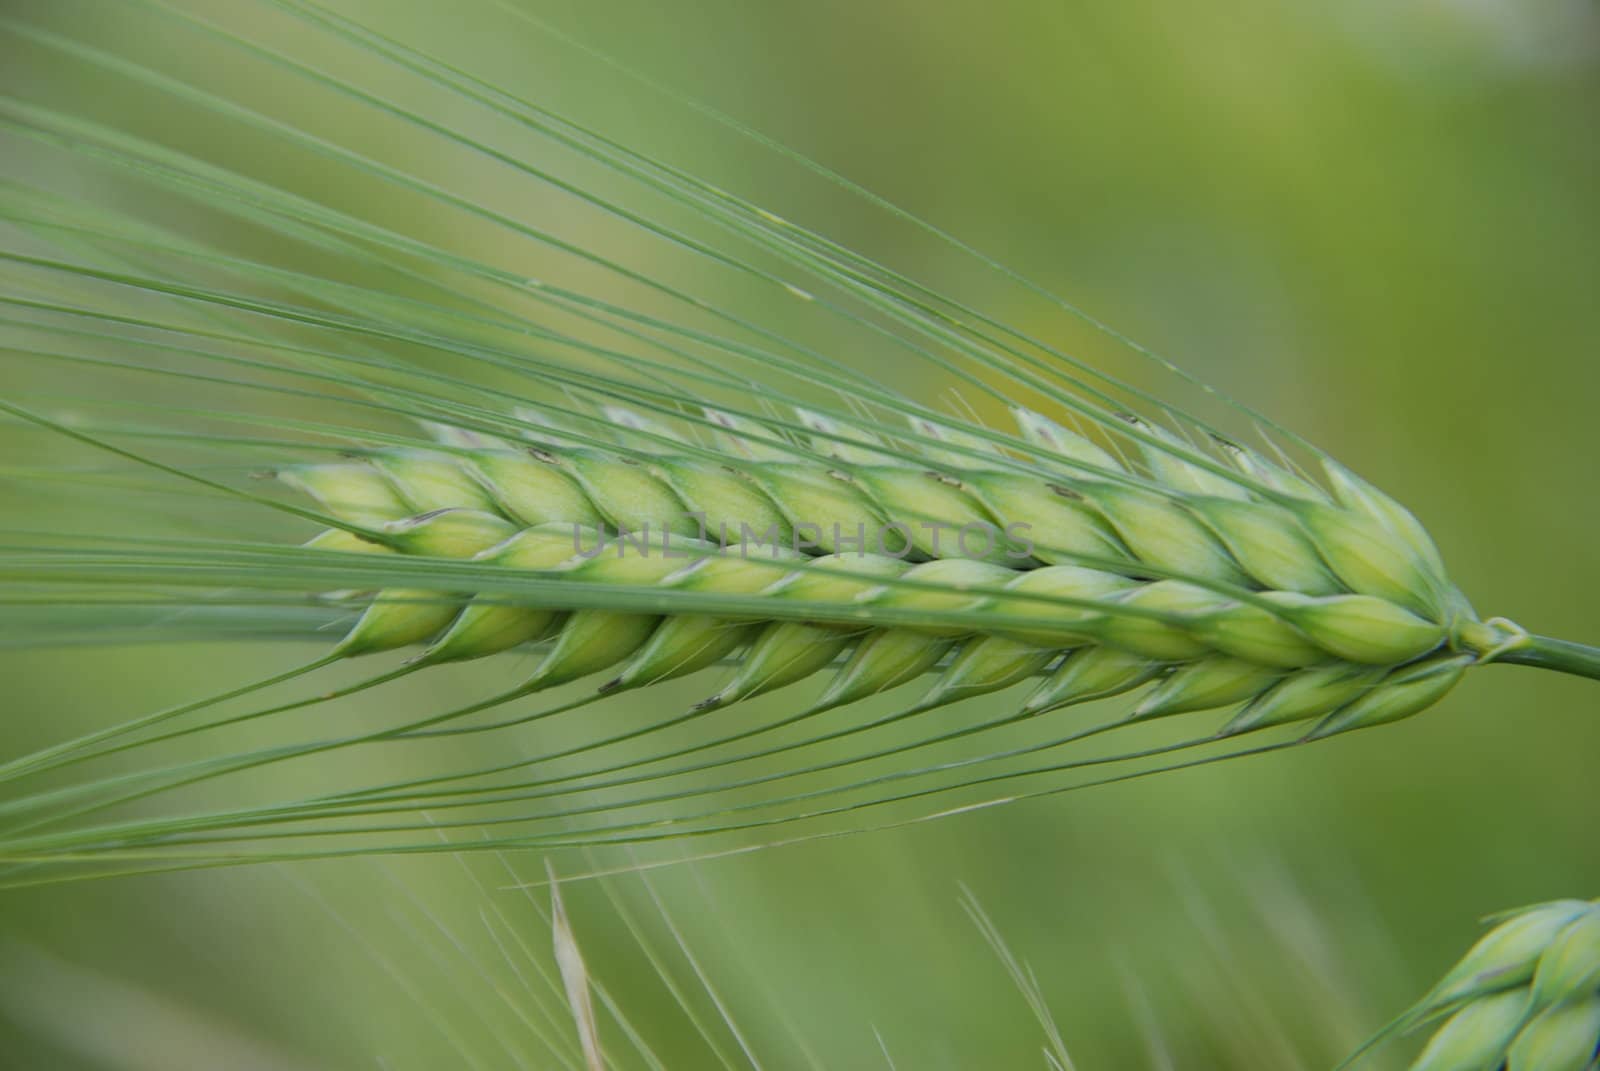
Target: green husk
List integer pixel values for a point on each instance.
(1525, 997)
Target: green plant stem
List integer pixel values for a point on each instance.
(1564, 656)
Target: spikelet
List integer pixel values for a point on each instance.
(1096, 576)
(1526, 997)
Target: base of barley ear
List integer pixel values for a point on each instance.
(1547, 652)
(1501, 640)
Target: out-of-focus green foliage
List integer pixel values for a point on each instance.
(1375, 222)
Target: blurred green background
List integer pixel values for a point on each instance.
(1376, 222)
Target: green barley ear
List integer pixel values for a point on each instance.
(1511, 952)
(1220, 597)
(1525, 997)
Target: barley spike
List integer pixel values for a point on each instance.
(1263, 590)
(1526, 997)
